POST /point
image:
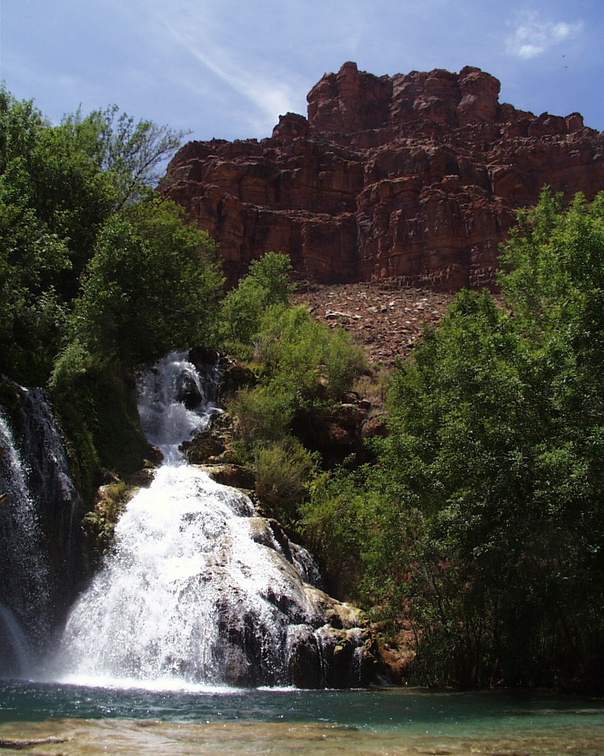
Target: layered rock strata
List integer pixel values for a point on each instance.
(417, 176)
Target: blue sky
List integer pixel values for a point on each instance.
(229, 68)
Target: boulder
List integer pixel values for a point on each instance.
(212, 444)
(339, 431)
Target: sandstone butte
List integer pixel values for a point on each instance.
(415, 176)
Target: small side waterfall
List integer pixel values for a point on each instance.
(24, 592)
(38, 531)
(53, 487)
(199, 588)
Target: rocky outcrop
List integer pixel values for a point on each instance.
(340, 431)
(416, 176)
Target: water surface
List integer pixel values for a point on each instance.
(198, 720)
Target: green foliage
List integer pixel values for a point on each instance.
(482, 524)
(481, 449)
(266, 284)
(293, 348)
(271, 272)
(299, 363)
(264, 411)
(151, 286)
(283, 472)
(59, 189)
(553, 264)
(131, 153)
(96, 407)
(342, 522)
(52, 200)
(97, 275)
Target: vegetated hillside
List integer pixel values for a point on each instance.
(480, 529)
(415, 175)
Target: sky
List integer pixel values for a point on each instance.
(228, 68)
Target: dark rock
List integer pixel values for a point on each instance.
(234, 376)
(236, 476)
(187, 392)
(213, 443)
(338, 431)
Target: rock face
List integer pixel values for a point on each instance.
(416, 176)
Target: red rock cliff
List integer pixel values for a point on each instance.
(416, 175)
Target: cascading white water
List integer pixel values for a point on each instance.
(198, 587)
(173, 404)
(24, 594)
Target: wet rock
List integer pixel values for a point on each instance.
(188, 393)
(230, 475)
(212, 444)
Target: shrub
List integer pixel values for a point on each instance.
(293, 347)
(266, 284)
(283, 472)
(264, 412)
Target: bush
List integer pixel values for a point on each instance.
(264, 412)
(292, 347)
(266, 284)
(283, 472)
(351, 526)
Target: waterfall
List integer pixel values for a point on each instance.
(52, 485)
(199, 588)
(14, 648)
(40, 551)
(174, 403)
(24, 593)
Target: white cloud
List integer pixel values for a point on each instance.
(534, 36)
(225, 61)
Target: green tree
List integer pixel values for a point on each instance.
(152, 286)
(52, 200)
(497, 431)
(132, 153)
(266, 284)
(97, 274)
(482, 524)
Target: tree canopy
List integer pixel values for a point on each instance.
(132, 153)
(98, 274)
(485, 513)
(151, 286)
(86, 249)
